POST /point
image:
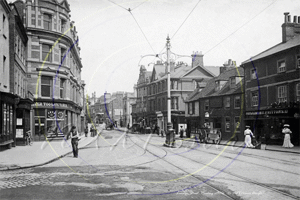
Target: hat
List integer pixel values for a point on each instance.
(286, 125)
(247, 126)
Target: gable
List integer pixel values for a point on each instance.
(198, 72)
(65, 4)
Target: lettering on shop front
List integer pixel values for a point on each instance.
(46, 104)
(267, 112)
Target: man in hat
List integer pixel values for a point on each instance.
(248, 133)
(287, 136)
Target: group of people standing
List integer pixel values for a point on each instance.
(286, 142)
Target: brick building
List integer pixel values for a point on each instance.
(272, 86)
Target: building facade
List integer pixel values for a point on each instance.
(272, 86)
(219, 105)
(152, 87)
(128, 100)
(54, 67)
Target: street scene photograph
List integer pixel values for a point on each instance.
(149, 99)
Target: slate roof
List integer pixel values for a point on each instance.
(209, 90)
(275, 49)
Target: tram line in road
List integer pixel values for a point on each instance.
(245, 179)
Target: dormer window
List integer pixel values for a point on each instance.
(232, 82)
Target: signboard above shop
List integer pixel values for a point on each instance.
(267, 112)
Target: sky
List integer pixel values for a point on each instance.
(115, 42)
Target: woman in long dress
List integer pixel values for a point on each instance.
(287, 136)
(248, 133)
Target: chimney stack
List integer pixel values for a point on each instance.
(290, 29)
(197, 59)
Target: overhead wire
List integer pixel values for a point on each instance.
(239, 28)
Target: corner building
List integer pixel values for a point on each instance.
(54, 67)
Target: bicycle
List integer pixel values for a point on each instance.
(28, 138)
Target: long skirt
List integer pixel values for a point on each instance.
(248, 141)
(287, 141)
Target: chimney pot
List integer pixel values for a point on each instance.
(286, 17)
(299, 20)
(289, 18)
(295, 19)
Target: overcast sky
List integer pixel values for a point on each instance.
(112, 39)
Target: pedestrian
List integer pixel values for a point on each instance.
(86, 130)
(248, 133)
(181, 132)
(74, 140)
(287, 136)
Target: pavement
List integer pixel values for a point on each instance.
(41, 153)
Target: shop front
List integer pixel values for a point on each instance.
(7, 119)
(55, 120)
(267, 125)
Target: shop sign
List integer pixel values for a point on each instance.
(267, 112)
(47, 104)
(51, 115)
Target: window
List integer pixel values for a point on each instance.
(232, 82)
(46, 54)
(227, 124)
(253, 74)
(298, 92)
(191, 108)
(174, 85)
(62, 84)
(237, 102)
(63, 25)
(281, 66)
(282, 93)
(237, 124)
(254, 99)
(62, 54)
(206, 105)
(46, 86)
(158, 105)
(298, 61)
(227, 102)
(47, 22)
(174, 103)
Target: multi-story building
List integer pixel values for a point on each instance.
(54, 66)
(7, 100)
(219, 104)
(18, 76)
(152, 90)
(272, 86)
(128, 100)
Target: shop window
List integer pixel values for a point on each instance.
(282, 93)
(46, 53)
(254, 99)
(298, 91)
(227, 102)
(46, 82)
(227, 124)
(237, 102)
(47, 22)
(281, 66)
(237, 124)
(206, 105)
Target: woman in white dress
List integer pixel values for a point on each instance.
(248, 133)
(287, 136)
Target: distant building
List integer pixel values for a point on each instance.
(272, 86)
(128, 100)
(151, 102)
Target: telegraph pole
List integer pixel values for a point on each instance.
(168, 79)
